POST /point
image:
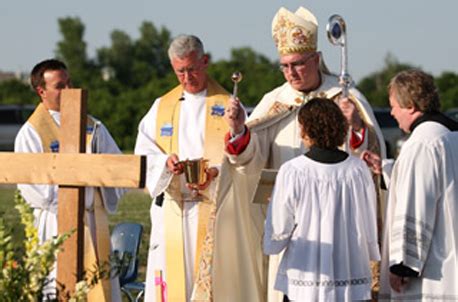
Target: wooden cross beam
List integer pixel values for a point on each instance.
(72, 170)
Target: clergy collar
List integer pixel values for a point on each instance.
(55, 114)
(202, 93)
(326, 156)
(437, 117)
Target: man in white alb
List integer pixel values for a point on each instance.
(420, 243)
(41, 134)
(185, 123)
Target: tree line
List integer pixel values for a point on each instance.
(123, 79)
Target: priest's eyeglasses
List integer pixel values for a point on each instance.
(189, 70)
(295, 65)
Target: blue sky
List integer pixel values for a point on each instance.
(421, 32)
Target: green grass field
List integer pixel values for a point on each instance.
(133, 207)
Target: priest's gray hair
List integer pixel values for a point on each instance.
(183, 45)
(415, 88)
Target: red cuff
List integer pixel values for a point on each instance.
(355, 140)
(239, 145)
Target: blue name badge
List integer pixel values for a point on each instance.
(54, 146)
(89, 129)
(217, 110)
(167, 129)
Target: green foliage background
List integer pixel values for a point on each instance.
(124, 78)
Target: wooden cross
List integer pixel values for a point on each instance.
(72, 170)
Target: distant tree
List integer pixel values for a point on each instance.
(151, 52)
(16, 92)
(447, 84)
(374, 86)
(260, 75)
(135, 63)
(72, 50)
(122, 112)
(119, 57)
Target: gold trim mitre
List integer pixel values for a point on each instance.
(294, 32)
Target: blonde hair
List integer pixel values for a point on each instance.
(415, 88)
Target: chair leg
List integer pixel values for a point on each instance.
(128, 294)
(140, 296)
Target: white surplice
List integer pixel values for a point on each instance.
(43, 198)
(323, 216)
(191, 136)
(422, 226)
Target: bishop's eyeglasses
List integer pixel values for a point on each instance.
(295, 65)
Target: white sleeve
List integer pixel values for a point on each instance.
(256, 153)
(280, 221)
(387, 168)
(38, 196)
(158, 176)
(416, 190)
(368, 204)
(104, 143)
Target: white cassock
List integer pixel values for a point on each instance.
(323, 217)
(275, 141)
(43, 198)
(191, 146)
(422, 226)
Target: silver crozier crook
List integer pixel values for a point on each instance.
(337, 35)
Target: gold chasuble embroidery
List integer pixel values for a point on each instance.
(167, 126)
(96, 254)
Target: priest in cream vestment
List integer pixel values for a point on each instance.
(420, 243)
(270, 138)
(185, 123)
(41, 134)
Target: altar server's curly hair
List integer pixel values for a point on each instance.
(415, 89)
(323, 122)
